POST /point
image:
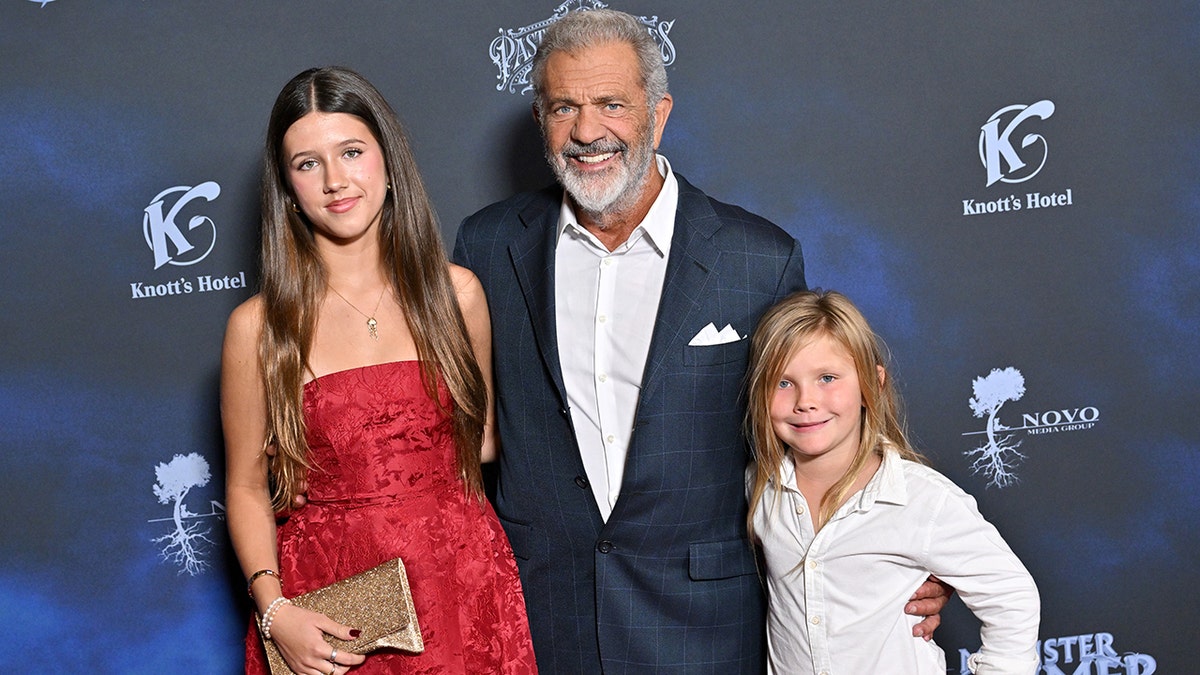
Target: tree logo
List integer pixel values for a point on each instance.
(997, 458)
(185, 545)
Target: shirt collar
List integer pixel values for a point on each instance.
(887, 485)
(658, 227)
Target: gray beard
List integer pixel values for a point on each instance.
(612, 193)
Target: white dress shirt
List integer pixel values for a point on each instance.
(836, 598)
(606, 303)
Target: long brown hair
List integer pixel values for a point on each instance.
(293, 280)
(787, 327)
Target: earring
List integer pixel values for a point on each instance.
(295, 209)
(389, 187)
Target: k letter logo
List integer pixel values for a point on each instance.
(1004, 161)
(162, 232)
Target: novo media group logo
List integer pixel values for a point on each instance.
(997, 457)
(178, 233)
(512, 51)
(187, 543)
(1013, 150)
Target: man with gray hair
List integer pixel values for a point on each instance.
(620, 302)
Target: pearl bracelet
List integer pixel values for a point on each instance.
(264, 621)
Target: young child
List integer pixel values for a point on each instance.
(850, 521)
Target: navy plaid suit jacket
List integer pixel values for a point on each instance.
(668, 584)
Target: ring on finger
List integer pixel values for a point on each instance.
(333, 656)
(333, 670)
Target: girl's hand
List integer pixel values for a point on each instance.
(300, 636)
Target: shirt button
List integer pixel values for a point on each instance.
(816, 620)
(603, 377)
(607, 262)
(610, 438)
(581, 481)
(812, 564)
(602, 318)
(604, 546)
(800, 509)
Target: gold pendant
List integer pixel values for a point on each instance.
(371, 324)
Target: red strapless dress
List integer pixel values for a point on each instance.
(385, 485)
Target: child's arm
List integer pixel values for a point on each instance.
(968, 553)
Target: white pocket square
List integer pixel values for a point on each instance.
(709, 335)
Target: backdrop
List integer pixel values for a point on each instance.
(1008, 189)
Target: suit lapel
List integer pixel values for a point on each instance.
(533, 259)
(689, 268)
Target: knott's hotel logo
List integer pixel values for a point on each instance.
(1012, 151)
(513, 50)
(178, 233)
(998, 456)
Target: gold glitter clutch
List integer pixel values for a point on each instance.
(377, 602)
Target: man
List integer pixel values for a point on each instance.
(620, 303)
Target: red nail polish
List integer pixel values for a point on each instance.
(354, 632)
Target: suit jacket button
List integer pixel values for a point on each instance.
(581, 482)
(604, 546)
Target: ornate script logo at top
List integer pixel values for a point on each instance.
(1004, 161)
(513, 50)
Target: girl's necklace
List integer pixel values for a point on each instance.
(372, 324)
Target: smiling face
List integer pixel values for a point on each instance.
(599, 133)
(816, 406)
(337, 173)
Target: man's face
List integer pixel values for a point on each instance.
(599, 134)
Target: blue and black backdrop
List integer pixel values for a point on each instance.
(1008, 189)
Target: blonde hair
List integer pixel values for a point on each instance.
(293, 281)
(790, 325)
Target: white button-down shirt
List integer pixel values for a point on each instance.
(606, 303)
(836, 597)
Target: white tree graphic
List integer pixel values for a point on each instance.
(998, 457)
(184, 546)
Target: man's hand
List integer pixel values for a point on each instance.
(300, 499)
(929, 601)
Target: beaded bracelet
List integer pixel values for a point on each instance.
(256, 575)
(264, 622)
